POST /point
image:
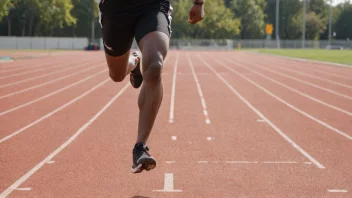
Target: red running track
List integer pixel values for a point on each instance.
(230, 125)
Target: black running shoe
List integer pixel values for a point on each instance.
(136, 77)
(142, 160)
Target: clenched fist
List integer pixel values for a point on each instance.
(197, 12)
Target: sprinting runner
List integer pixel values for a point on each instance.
(149, 22)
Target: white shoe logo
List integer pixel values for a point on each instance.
(109, 48)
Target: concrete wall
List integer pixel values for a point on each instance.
(7, 42)
(207, 44)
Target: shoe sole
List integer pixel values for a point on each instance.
(144, 164)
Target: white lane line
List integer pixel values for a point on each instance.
(63, 146)
(32, 71)
(305, 60)
(32, 63)
(173, 137)
(50, 162)
(168, 184)
(23, 189)
(241, 162)
(337, 190)
(172, 104)
(295, 90)
(51, 94)
(48, 82)
(201, 95)
(260, 120)
(44, 75)
(289, 140)
(210, 138)
(202, 162)
(288, 104)
(301, 81)
(169, 162)
(22, 68)
(53, 112)
(313, 70)
(39, 66)
(314, 77)
(308, 163)
(280, 162)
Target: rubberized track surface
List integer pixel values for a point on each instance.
(231, 124)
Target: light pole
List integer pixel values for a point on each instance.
(304, 24)
(330, 23)
(277, 24)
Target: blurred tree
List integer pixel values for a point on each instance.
(288, 11)
(251, 15)
(4, 8)
(219, 22)
(343, 26)
(314, 25)
(36, 17)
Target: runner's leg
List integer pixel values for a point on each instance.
(118, 34)
(152, 35)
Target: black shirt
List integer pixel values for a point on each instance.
(127, 7)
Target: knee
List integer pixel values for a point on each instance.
(153, 74)
(116, 78)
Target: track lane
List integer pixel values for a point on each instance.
(302, 67)
(28, 63)
(98, 162)
(20, 97)
(27, 82)
(43, 67)
(35, 113)
(317, 140)
(316, 111)
(49, 134)
(316, 86)
(317, 80)
(15, 76)
(113, 126)
(345, 71)
(111, 149)
(337, 101)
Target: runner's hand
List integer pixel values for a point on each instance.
(197, 13)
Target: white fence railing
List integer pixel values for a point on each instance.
(9, 42)
(189, 44)
(233, 44)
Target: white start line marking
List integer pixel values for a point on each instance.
(24, 189)
(168, 184)
(337, 190)
(50, 162)
(170, 162)
(260, 120)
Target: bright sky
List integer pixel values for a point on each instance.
(335, 2)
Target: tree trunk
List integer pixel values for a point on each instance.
(9, 26)
(30, 25)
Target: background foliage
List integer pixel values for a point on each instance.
(225, 19)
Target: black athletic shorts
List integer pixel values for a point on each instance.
(123, 20)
